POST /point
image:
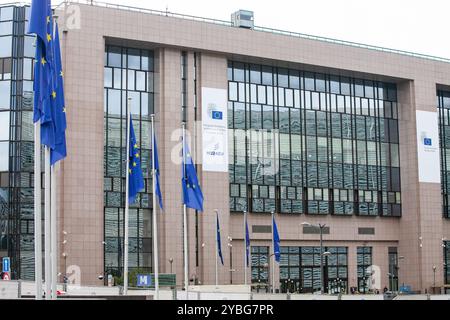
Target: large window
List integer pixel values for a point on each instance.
(300, 269)
(393, 269)
(128, 73)
(312, 143)
(260, 267)
(364, 261)
(16, 142)
(444, 142)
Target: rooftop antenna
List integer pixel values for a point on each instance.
(167, 10)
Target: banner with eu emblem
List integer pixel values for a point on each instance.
(214, 130)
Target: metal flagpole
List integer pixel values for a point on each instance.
(245, 248)
(37, 211)
(273, 257)
(47, 226)
(53, 247)
(185, 237)
(127, 205)
(217, 248)
(155, 222)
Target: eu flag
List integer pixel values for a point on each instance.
(136, 179)
(219, 242)
(156, 168)
(192, 193)
(59, 109)
(247, 241)
(276, 240)
(42, 25)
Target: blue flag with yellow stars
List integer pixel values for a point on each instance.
(219, 242)
(192, 193)
(156, 168)
(136, 179)
(59, 109)
(276, 240)
(41, 24)
(247, 242)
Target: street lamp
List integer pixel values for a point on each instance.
(231, 258)
(434, 278)
(171, 261)
(321, 227)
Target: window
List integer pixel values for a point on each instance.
(4, 126)
(333, 134)
(4, 156)
(364, 261)
(123, 69)
(5, 46)
(5, 94)
(260, 266)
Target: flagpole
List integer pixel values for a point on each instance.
(127, 205)
(155, 222)
(37, 212)
(54, 249)
(217, 247)
(185, 237)
(273, 256)
(47, 226)
(245, 248)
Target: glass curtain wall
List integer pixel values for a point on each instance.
(314, 143)
(128, 73)
(443, 99)
(16, 141)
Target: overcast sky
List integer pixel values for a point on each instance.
(421, 26)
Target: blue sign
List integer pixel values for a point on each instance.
(217, 115)
(144, 280)
(6, 264)
(405, 289)
(427, 141)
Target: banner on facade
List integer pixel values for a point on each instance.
(428, 146)
(214, 130)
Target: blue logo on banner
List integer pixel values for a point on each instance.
(6, 264)
(217, 115)
(144, 280)
(427, 141)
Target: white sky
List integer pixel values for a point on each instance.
(421, 26)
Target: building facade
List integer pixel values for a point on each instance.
(355, 138)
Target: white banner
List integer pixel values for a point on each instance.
(428, 146)
(214, 130)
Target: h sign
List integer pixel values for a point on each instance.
(6, 265)
(144, 280)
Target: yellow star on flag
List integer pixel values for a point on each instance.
(48, 19)
(134, 164)
(53, 94)
(49, 37)
(43, 62)
(137, 155)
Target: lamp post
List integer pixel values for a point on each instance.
(321, 227)
(64, 254)
(171, 262)
(434, 278)
(231, 258)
